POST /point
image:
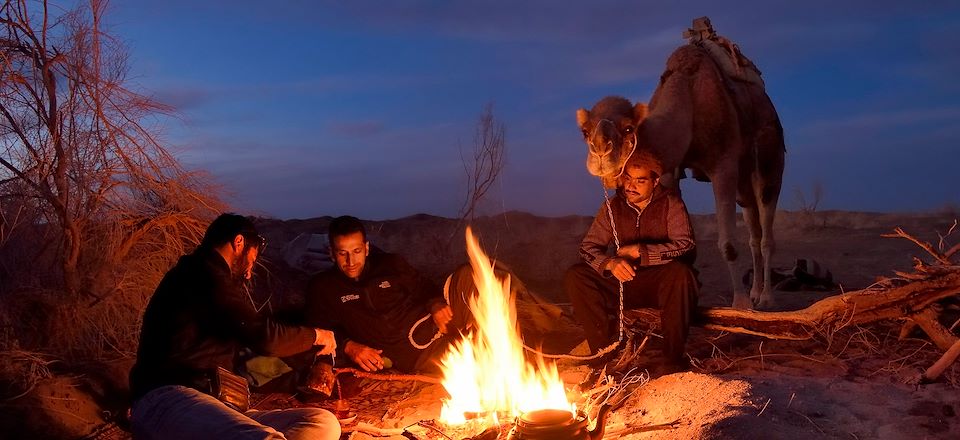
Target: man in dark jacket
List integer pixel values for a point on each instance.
(654, 250)
(196, 323)
(385, 312)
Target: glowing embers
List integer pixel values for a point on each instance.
(486, 373)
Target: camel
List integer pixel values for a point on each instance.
(724, 129)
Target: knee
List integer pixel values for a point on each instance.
(679, 273)
(576, 273)
(461, 280)
(323, 425)
(464, 270)
(727, 250)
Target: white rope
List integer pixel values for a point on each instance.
(593, 147)
(446, 297)
(605, 350)
(632, 150)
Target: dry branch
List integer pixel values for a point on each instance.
(941, 365)
(831, 314)
(383, 376)
(940, 335)
(899, 232)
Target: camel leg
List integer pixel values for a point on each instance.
(725, 194)
(672, 180)
(768, 210)
(760, 289)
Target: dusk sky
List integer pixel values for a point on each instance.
(308, 108)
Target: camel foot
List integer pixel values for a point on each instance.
(742, 301)
(762, 301)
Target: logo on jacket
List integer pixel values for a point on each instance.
(350, 297)
(385, 285)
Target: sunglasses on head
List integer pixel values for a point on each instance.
(259, 241)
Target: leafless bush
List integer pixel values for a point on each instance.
(482, 169)
(486, 163)
(87, 191)
(808, 206)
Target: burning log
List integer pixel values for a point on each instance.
(487, 371)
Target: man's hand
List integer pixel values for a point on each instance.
(631, 251)
(442, 317)
(621, 269)
(366, 357)
(326, 339)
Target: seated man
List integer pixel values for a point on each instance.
(385, 312)
(194, 327)
(654, 262)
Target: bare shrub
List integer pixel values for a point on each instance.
(482, 169)
(98, 204)
(486, 163)
(807, 205)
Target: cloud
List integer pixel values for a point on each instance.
(881, 122)
(185, 97)
(355, 128)
(362, 106)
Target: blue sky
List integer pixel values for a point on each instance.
(309, 108)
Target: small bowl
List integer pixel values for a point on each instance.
(350, 418)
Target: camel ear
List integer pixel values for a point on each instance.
(582, 117)
(640, 112)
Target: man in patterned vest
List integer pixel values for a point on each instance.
(650, 249)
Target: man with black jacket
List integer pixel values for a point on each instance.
(385, 312)
(193, 329)
(654, 252)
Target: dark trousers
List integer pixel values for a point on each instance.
(671, 287)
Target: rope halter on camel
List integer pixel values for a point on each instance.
(592, 149)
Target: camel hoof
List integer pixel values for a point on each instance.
(763, 302)
(742, 301)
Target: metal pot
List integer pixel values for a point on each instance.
(557, 424)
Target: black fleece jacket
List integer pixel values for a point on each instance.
(378, 309)
(198, 319)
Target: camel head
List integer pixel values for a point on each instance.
(610, 130)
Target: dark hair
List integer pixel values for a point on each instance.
(227, 226)
(344, 225)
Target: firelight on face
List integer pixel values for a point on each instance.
(638, 184)
(350, 253)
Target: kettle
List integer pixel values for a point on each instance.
(557, 424)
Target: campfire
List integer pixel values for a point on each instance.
(487, 374)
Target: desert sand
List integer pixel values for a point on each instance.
(857, 384)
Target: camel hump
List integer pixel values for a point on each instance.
(724, 52)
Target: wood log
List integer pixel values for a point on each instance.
(828, 315)
(907, 328)
(941, 365)
(927, 319)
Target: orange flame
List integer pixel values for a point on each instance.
(486, 371)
